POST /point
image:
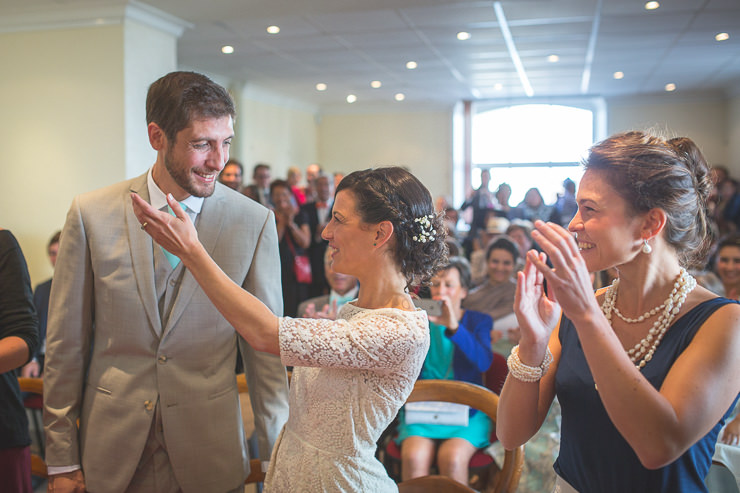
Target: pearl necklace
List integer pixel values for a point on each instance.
(644, 350)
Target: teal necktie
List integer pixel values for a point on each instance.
(173, 259)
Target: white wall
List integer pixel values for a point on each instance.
(420, 140)
(148, 55)
(61, 94)
(273, 130)
(702, 117)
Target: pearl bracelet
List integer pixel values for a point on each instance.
(525, 373)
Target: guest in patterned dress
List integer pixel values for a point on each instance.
(351, 375)
(646, 370)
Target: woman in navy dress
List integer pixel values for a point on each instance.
(646, 370)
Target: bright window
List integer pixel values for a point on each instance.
(531, 145)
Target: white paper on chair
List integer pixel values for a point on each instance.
(437, 413)
(506, 322)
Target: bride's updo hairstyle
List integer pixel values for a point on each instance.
(393, 194)
(649, 172)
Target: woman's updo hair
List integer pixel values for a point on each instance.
(393, 194)
(649, 172)
(503, 243)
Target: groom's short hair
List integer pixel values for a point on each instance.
(176, 99)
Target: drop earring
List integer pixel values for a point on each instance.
(646, 249)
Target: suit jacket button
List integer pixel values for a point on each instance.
(162, 359)
(148, 405)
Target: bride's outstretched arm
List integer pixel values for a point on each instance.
(176, 234)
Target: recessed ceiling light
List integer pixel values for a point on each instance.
(619, 75)
(273, 29)
(321, 86)
(462, 35)
(351, 98)
(553, 58)
(498, 86)
(226, 49)
(722, 37)
(651, 5)
(400, 96)
(670, 87)
(375, 84)
(411, 65)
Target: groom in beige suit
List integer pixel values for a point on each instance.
(136, 353)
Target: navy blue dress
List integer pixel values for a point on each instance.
(594, 457)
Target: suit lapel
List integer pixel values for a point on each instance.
(142, 258)
(208, 224)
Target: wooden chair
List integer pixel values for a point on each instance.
(498, 480)
(35, 386)
(389, 452)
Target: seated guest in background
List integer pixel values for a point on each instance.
(495, 227)
(312, 172)
(459, 350)
(646, 371)
(294, 238)
(231, 175)
(452, 217)
(565, 207)
(338, 175)
(259, 189)
(351, 376)
(35, 367)
(520, 231)
(503, 194)
(728, 265)
(480, 200)
(18, 341)
(294, 181)
(728, 210)
(533, 207)
(318, 213)
(343, 289)
(496, 296)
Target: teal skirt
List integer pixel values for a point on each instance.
(478, 431)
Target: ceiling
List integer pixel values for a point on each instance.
(346, 44)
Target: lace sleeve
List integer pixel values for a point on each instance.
(379, 340)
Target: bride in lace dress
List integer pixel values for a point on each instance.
(352, 375)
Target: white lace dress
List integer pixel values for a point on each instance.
(350, 378)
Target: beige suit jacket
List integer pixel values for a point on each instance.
(109, 360)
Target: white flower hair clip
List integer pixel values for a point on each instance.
(427, 231)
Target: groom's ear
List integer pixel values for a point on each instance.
(157, 138)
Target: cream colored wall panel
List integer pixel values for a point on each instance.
(703, 119)
(421, 141)
(61, 94)
(281, 136)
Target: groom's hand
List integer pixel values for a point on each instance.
(68, 482)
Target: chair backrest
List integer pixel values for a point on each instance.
(477, 397)
(34, 386)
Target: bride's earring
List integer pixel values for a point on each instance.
(646, 249)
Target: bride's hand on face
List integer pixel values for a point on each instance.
(569, 280)
(176, 234)
(536, 313)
